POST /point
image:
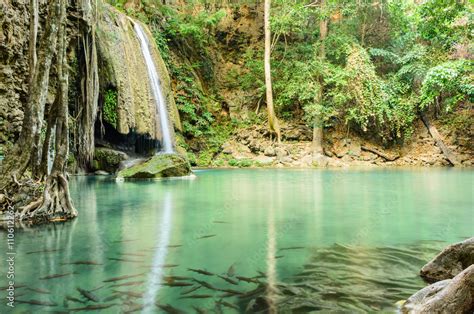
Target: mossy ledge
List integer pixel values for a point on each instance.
(158, 166)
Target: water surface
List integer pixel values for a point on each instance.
(342, 241)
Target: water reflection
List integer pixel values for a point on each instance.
(159, 257)
(272, 290)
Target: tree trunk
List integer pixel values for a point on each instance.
(272, 119)
(19, 158)
(90, 94)
(56, 202)
(318, 123)
(439, 141)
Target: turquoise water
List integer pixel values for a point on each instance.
(310, 240)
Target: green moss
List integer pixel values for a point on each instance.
(159, 166)
(109, 109)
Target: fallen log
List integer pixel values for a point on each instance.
(450, 156)
(386, 156)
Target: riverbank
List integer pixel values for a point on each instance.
(252, 147)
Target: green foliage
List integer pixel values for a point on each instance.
(109, 109)
(445, 22)
(191, 103)
(241, 163)
(453, 80)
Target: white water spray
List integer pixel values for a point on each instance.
(160, 102)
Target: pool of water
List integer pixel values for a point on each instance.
(236, 240)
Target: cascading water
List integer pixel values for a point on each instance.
(161, 110)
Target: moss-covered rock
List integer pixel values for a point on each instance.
(158, 166)
(108, 159)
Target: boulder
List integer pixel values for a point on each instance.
(269, 151)
(264, 160)
(450, 262)
(158, 166)
(108, 159)
(448, 296)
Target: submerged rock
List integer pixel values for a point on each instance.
(448, 296)
(158, 166)
(450, 262)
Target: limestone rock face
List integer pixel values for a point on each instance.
(14, 21)
(450, 262)
(448, 296)
(123, 68)
(158, 166)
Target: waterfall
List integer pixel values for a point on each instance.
(161, 110)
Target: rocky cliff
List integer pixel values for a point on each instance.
(122, 68)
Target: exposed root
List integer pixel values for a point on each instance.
(54, 205)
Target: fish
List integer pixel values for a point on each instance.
(126, 240)
(169, 309)
(122, 277)
(261, 274)
(200, 271)
(228, 280)
(292, 248)
(56, 276)
(177, 284)
(250, 305)
(134, 308)
(112, 297)
(130, 283)
(230, 291)
(124, 260)
(42, 291)
(88, 295)
(207, 285)
(98, 288)
(174, 245)
(229, 305)
(73, 299)
(279, 256)
(197, 296)
(231, 271)
(247, 279)
(133, 254)
(15, 286)
(129, 293)
(199, 310)
(192, 289)
(44, 251)
(36, 302)
(94, 307)
(172, 278)
(207, 236)
(220, 222)
(161, 266)
(82, 263)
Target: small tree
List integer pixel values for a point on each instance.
(272, 119)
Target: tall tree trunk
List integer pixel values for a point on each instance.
(318, 124)
(56, 202)
(272, 119)
(89, 86)
(19, 158)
